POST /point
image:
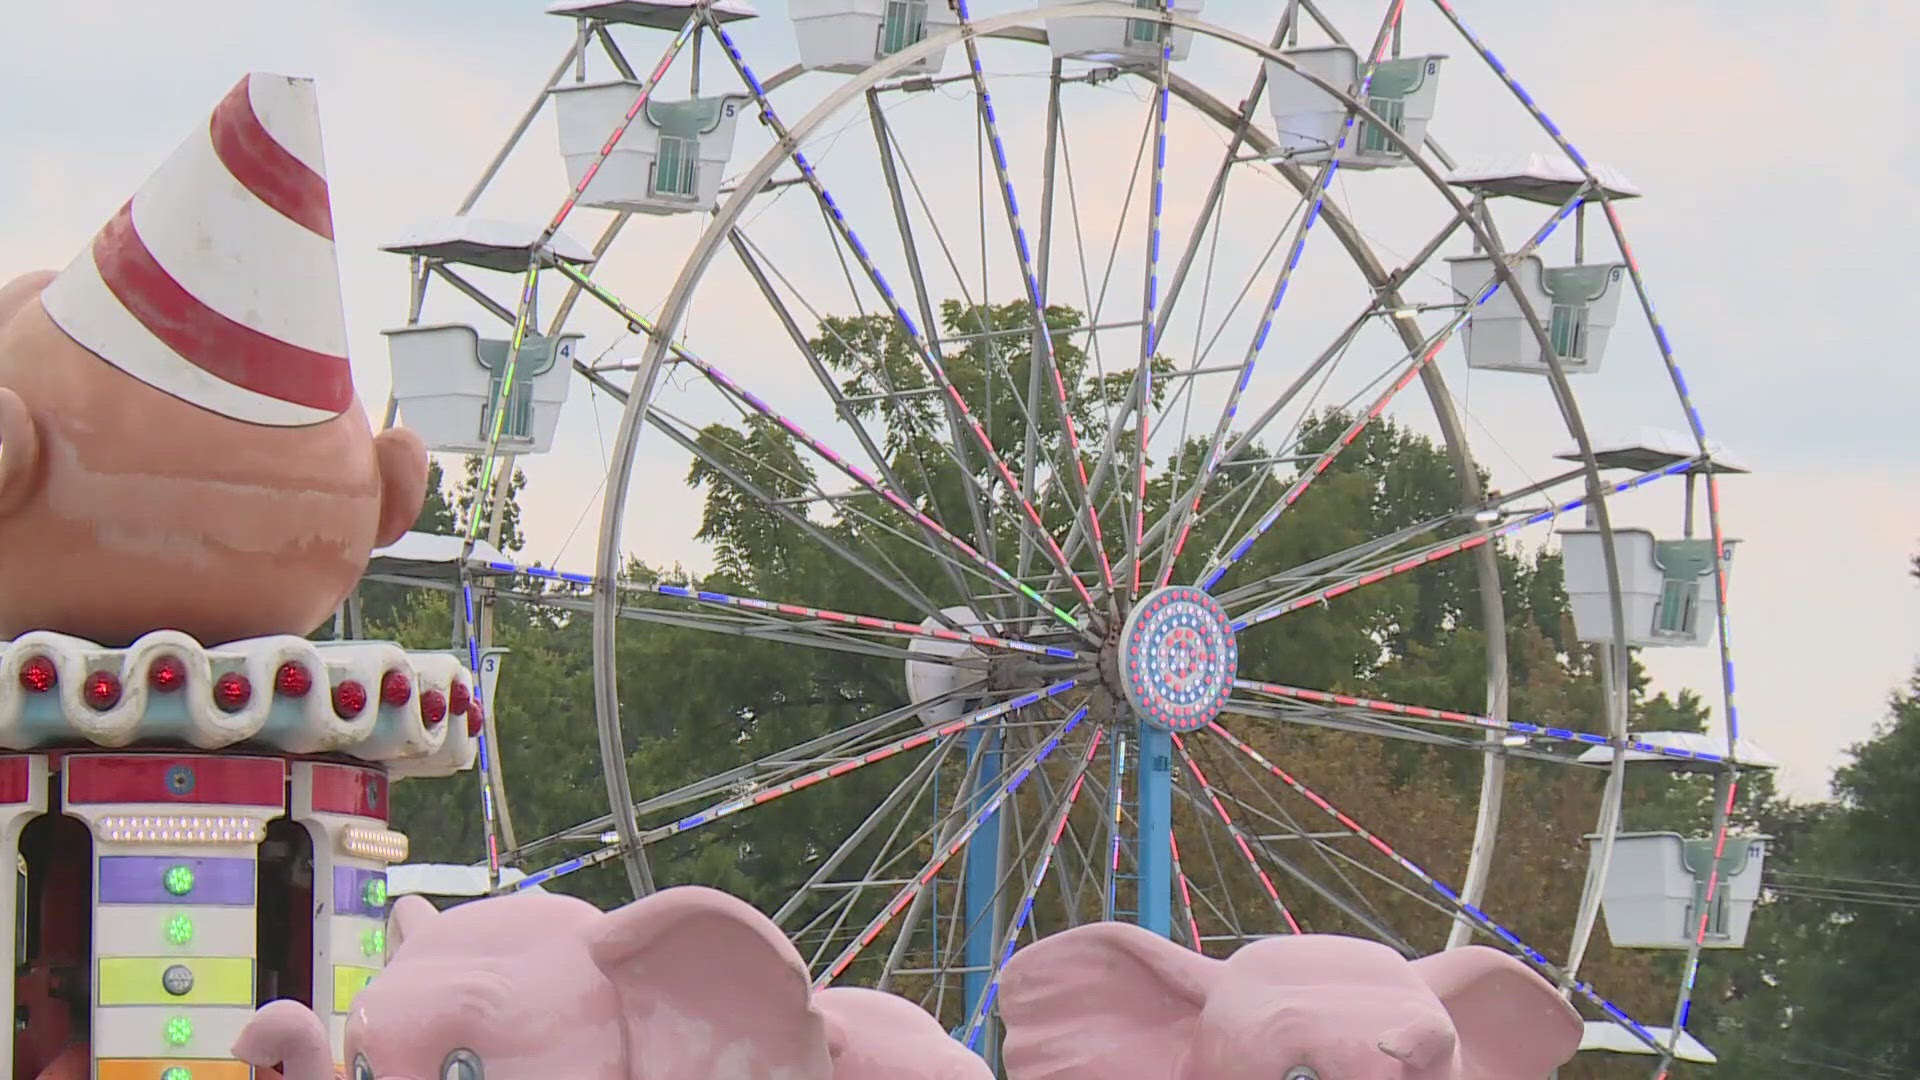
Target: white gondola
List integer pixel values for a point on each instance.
(671, 159)
(444, 374)
(445, 377)
(847, 36)
(1577, 303)
(1121, 41)
(1657, 880)
(1667, 590)
(1308, 121)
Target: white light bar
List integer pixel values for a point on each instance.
(183, 829)
(371, 842)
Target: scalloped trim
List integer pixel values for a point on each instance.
(393, 735)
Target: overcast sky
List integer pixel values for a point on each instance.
(1774, 140)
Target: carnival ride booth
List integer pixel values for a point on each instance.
(201, 831)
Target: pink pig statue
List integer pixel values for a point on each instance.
(689, 983)
(875, 1035)
(686, 983)
(1110, 1000)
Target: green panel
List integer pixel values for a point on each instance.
(536, 355)
(1689, 560)
(905, 23)
(1577, 284)
(688, 119)
(1398, 79)
(137, 980)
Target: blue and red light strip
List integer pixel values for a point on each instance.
(1025, 912)
(1455, 547)
(990, 118)
(1219, 569)
(1239, 838)
(1151, 303)
(947, 851)
(1448, 716)
(802, 611)
(1472, 912)
(921, 348)
(1324, 184)
(853, 472)
(1722, 819)
(719, 810)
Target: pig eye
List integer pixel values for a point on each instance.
(462, 1065)
(362, 1070)
(1302, 1072)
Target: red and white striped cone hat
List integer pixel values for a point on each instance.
(218, 283)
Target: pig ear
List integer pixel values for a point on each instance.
(19, 452)
(708, 986)
(1101, 1001)
(410, 915)
(1511, 1024)
(403, 482)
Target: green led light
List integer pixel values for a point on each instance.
(376, 892)
(179, 880)
(374, 942)
(179, 930)
(179, 1031)
(176, 1072)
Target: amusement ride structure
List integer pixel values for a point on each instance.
(920, 151)
(1073, 624)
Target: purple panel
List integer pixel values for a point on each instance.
(350, 892)
(141, 879)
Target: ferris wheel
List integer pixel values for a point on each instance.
(1046, 329)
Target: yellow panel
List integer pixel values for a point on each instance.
(156, 1069)
(347, 984)
(136, 980)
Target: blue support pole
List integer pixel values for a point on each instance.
(981, 874)
(1153, 845)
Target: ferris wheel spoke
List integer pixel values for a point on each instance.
(975, 1024)
(1360, 722)
(1239, 838)
(1036, 298)
(945, 852)
(1519, 733)
(843, 744)
(917, 339)
(832, 457)
(1472, 913)
(1187, 511)
(1399, 563)
(1414, 363)
(1300, 877)
(896, 582)
(847, 413)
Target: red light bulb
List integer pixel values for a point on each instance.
(396, 688)
(433, 707)
(39, 675)
(292, 680)
(232, 691)
(458, 698)
(167, 674)
(102, 690)
(476, 720)
(349, 699)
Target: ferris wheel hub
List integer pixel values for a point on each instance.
(1176, 658)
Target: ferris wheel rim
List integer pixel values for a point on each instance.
(1413, 154)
